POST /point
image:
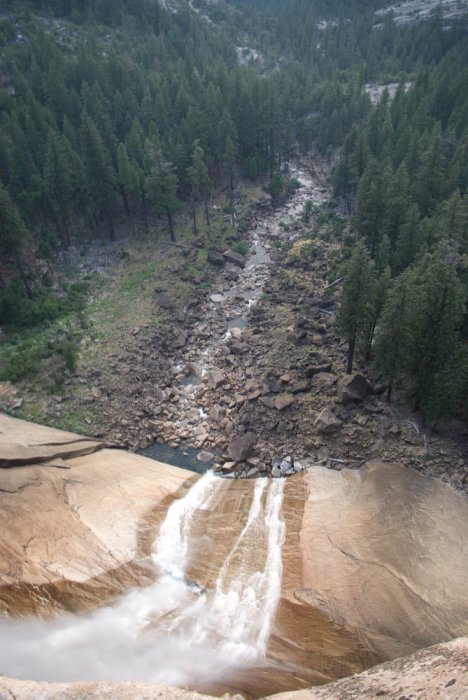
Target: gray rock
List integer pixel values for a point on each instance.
(215, 257)
(317, 369)
(354, 388)
(276, 472)
(326, 422)
(215, 378)
(235, 258)
(205, 456)
(323, 380)
(216, 413)
(179, 340)
(282, 402)
(242, 447)
(297, 336)
(165, 302)
(300, 385)
(238, 348)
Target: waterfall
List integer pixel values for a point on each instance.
(244, 602)
(170, 550)
(170, 632)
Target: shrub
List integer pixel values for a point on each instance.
(240, 247)
(69, 351)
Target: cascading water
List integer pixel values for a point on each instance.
(170, 632)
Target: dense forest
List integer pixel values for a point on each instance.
(117, 112)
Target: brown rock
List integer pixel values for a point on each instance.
(282, 402)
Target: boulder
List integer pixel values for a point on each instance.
(217, 298)
(216, 413)
(215, 257)
(298, 336)
(234, 258)
(326, 421)
(165, 301)
(238, 348)
(354, 388)
(282, 402)
(205, 456)
(215, 378)
(300, 385)
(317, 369)
(242, 447)
(323, 380)
(179, 340)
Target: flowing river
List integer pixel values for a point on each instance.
(171, 632)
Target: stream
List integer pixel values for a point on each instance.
(225, 317)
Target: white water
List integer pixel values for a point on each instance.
(170, 632)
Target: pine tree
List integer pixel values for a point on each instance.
(449, 391)
(409, 240)
(200, 181)
(394, 333)
(438, 318)
(13, 235)
(379, 295)
(129, 184)
(161, 184)
(100, 174)
(59, 184)
(355, 308)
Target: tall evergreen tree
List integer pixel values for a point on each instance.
(13, 236)
(100, 174)
(355, 308)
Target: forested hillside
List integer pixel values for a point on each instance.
(118, 115)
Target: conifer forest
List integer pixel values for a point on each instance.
(142, 120)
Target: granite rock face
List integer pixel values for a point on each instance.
(75, 523)
(374, 561)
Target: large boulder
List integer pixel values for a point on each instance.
(235, 258)
(282, 402)
(318, 369)
(298, 336)
(353, 388)
(215, 378)
(326, 421)
(238, 348)
(215, 257)
(242, 447)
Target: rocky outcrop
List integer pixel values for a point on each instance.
(26, 443)
(80, 523)
(431, 674)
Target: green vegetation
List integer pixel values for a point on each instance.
(122, 118)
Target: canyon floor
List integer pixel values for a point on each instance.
(235, 355)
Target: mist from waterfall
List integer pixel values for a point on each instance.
(170, 632)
